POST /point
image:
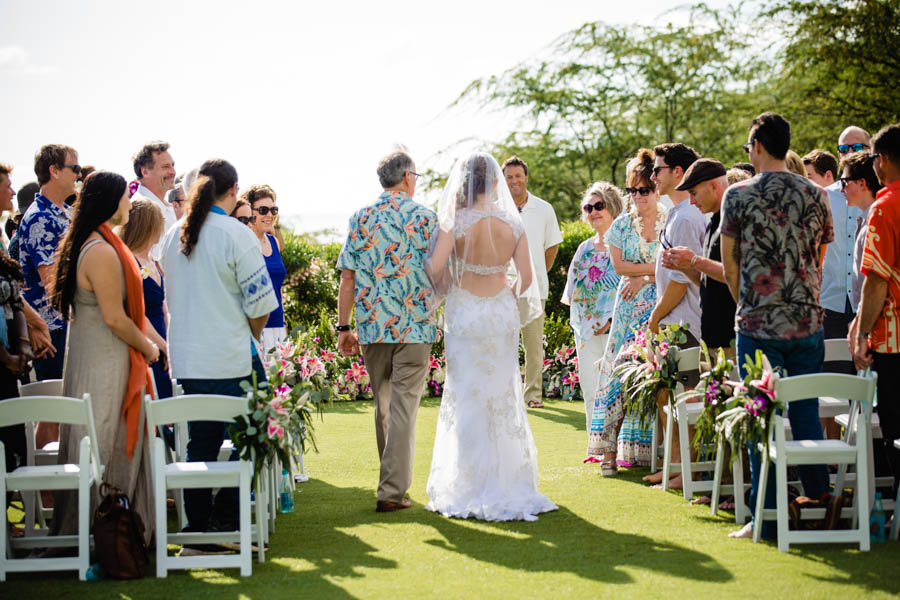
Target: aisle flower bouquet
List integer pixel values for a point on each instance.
(560, 374)
(650, 366)
(749, 411)
(716, 388)
(279, 421)
(437, 374)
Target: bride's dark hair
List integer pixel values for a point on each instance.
(474, 180)
(642, 169)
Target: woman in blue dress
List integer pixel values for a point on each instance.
(261, 199)
(632, 240)
(145, 227)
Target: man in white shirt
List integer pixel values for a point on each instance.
(544, 237)
(155, 170)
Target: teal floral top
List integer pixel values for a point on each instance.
(386, 246)
(590, 290)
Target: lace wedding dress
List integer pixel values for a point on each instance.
(485, 461)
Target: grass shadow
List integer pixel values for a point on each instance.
(563, 412)
(546, 546)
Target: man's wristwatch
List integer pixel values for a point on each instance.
(863, 335)
(646, 279)
(342, 328)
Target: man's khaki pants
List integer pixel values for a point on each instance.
(397, 372)
(533, 341)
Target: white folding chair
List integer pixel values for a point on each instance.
(35, 512)
(686, 414)
(860, 390)
(201, 474)
(835, 350)
(80, 477)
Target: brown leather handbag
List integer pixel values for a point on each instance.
(119, 535)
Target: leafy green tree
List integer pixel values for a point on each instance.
(606, 90)
(840, 66)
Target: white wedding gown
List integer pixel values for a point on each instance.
(485, 461)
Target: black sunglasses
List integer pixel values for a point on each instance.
(598, 206)
(643, 190)
(246, 220)
(846, 180)
(264, 210)
(75, 168)
(656, 170)
(663, 240)
(747, 147)
(845, 148)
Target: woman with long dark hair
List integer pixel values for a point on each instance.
(97, 289)
(218, 295)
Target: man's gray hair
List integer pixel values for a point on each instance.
(393, 167)
(174, 193)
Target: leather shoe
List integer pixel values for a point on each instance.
(388, 506)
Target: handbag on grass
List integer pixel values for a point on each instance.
(119, 535)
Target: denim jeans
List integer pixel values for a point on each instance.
(798, 357)
(204, 440)
(52, 367)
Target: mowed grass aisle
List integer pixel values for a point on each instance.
(610, 536)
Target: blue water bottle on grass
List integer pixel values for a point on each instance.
(877, 520)
(287, 492)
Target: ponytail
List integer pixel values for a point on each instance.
(215, 178)
(201, 200)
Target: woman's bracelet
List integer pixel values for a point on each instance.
(693, 260)
(22, 338)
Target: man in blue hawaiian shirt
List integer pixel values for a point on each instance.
(43, 226)
(383, 276)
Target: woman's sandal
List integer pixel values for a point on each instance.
(535, 404)
(608, 468)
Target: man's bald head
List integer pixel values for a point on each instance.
(853, 135)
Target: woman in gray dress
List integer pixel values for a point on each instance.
(97, 289)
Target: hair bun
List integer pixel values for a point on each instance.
(645, 157)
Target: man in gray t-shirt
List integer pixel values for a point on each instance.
(678, 296)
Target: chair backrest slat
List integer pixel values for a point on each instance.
(835, 385)
(56, 409)
(837, 350)
(196, 407)
(689, 359)
(48, 387)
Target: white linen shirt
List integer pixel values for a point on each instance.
(685, 226)
(168, 212)
(543, 232)
(210, 296)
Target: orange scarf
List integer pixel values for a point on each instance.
(139, 373)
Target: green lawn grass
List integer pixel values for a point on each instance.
(610, 536)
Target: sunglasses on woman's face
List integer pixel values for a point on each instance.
(643, 191)
(264, 210)
(246, 220)
(598, 206)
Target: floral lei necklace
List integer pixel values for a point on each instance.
(643, 245)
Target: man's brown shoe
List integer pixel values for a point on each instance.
(388, 506)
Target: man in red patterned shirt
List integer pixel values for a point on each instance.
(875, 333)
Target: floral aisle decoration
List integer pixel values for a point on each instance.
(560, 375)
(716, 389)
(279, 421)
(650, 365)
(437, 374)
(749, 411)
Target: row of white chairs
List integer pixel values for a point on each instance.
(175, 474)
(837, 393)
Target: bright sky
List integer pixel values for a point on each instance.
(303, 96)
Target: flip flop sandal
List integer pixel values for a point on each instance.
(535, 404)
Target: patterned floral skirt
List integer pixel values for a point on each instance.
(611, 428)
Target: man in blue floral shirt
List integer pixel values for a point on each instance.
(383, 276)
(43, 226)
(773, 228)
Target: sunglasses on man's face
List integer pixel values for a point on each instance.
(246, 220)
(845, 148)
(598, 206)
(643, 191)
(264, 210)
(75, 168)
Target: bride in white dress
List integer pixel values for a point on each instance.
(485, 461)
